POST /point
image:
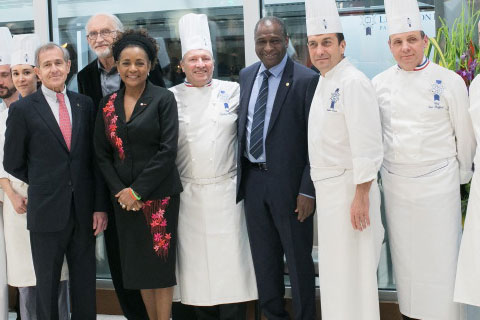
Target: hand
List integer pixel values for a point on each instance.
(125, 199)
(100, 222)
(19, 203)
(137, 205)
(305, 207)
(359, 215)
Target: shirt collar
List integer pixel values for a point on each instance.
(52, 95)
(188, 84)
(421, 66)
(275, 70)
(112, 71)
(338, 66)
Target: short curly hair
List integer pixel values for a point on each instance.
(136, 38)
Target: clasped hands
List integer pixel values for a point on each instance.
(127, 202)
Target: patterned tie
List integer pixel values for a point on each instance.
(64, 120)
(256, 134)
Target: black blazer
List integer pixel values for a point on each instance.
(88, 80)
(36, 153)
(150, 144)
(286, 141)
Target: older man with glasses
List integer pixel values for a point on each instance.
(96, 80)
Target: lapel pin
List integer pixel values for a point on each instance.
(142, 104)
(287, 84)
(78, 104)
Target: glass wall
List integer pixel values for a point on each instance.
(17, 15)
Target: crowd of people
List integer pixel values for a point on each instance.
(202, 189)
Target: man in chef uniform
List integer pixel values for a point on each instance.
(215, 268)
(345, 151)
(8, 94)
(429, 147)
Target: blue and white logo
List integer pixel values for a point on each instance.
(409, 21)
(325, 24)
(223, 99)
(437, 89)
(334, 97)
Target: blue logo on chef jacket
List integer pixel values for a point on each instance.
(437, 89)
(325, 24)
(334, 97)
(223, 99)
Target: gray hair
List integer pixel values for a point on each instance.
(49, 46)
(118, 24)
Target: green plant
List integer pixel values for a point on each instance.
(454, 48)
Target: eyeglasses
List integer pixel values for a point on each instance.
(104, 33)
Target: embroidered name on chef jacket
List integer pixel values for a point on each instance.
(437, 89)
(223, 98)
(334, 97)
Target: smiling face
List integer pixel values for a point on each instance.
(52, 69)
(7, 89)
(101, 33)
(133, 66)
(270, 43)
(408, 49)
(24, 79)
(325, 51)
(198, 67)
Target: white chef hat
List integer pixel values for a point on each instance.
(5, 45)
(402, 16)
(24, 46)
(194, 33)
(322, 17)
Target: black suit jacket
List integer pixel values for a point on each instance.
(89, 81)
(149, 139)
(286, 141)
(36, 153)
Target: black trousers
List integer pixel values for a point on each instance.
(231, 311)
(182, 311)
(274, 230)
(77, 243)
(130, 300)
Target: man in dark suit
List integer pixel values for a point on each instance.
(49, 145)
(274, 173)
(98, 79)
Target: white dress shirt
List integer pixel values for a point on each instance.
(51, 97)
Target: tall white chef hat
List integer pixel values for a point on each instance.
(24, 46)
(402, 16)
(5, 45)
(194, 33)
(322, 17)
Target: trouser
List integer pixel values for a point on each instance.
(27, 302)
(130, 300)
(230, 311)
(182, 311)
(274, 231)
(77, 243)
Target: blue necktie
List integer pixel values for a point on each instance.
(256, 134)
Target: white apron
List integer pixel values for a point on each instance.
(467, 284)
(3, 273)
(214, 263)
(347, 269)
(20, 271)
(424, 226)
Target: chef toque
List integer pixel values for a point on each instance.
(5, 45)
(322, 17)
(24, 46)
(194, 33)
(402, 16)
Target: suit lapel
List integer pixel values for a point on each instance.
(46, 114)
(143, 101)
(283, 87)
(76, 115)
(96, 85)
(245, 100)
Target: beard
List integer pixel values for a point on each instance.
(105, 53)
(8, 92)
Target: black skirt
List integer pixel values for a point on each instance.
(148, 243)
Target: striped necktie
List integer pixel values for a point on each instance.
(256, 134)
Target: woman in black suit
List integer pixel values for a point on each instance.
(136, 137)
